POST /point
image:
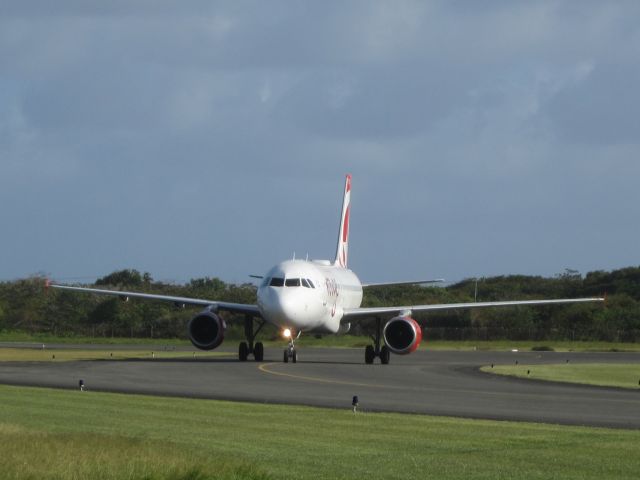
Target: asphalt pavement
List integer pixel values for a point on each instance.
(425, 382)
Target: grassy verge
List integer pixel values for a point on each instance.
(65, 435)
(24, 337)
(604, 374)
(32, 453)
(340, 341)
(62, 355)
(529, 345)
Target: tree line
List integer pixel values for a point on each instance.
(27, 305)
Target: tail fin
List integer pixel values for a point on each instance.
(342, 250)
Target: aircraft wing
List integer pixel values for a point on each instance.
(352, 313)
(227, 306)
(410, 282)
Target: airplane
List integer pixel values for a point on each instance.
(315, 297)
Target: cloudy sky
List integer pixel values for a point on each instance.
(212, 138)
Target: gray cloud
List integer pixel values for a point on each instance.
(601, 108)
(202, 138)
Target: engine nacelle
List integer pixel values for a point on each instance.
(343, 328)
(206, 330)
(402, 335)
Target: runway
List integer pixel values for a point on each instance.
(425, 382)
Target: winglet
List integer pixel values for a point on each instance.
(342, 249)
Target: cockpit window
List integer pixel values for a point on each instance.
(305, 283)
(292, 282)
(277, 282)
(310, 283)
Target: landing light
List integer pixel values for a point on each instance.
(286, 333)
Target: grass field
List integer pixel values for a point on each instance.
(528, 345)
(56, 434)
(62, 355)
(9, 354)
(604, 374)
(24, 337)
(345, 341)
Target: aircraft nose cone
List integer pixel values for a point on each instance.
(279, 306)
(285, 307)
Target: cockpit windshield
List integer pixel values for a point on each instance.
(276, 282)
(289, 282)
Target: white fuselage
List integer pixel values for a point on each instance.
(308, 296)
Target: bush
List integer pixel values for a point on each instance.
(542, 348)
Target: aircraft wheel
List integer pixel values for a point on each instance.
(369, 354)
(385, 355)
(258, 352)
(243, 351)
(286, 357)
(294, 357)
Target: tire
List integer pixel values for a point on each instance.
(243, 351)
(286, 357)
(258, 352)
(369, 354)
(294, 357)
(385, 355)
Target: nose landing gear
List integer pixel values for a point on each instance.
(290, 351)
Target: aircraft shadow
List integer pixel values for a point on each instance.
(172, 360)
(223, 360)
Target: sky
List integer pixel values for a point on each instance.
(198, 138)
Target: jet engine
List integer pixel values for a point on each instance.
(206, 330)
(402, 335)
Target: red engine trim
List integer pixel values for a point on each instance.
(402, 335)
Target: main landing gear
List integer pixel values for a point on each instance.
(248, 347)
(376, 350)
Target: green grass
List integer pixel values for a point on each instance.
(25, 337)
(339, 341)
(29, 453)
(604, 374)
(56, 434)
(65, 355)
(530, 345)
(352, 341)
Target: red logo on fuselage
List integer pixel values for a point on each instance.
(332, 287)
